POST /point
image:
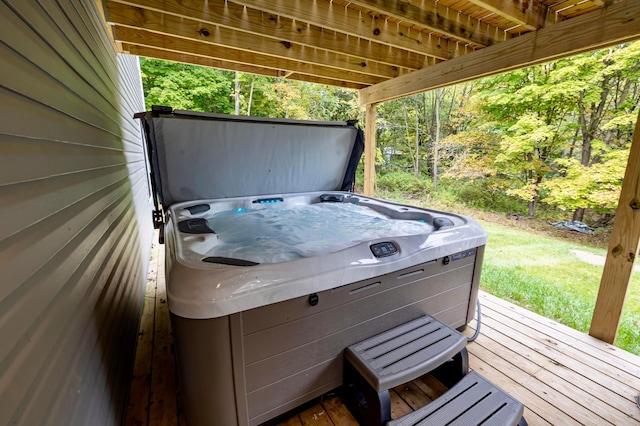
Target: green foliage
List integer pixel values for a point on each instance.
(556, 133)
(415, 125)
(524, 109)
(596, 187)
(523, 157)
(403, 182)
(187, 87)
(470, 154)
(196, 88)
(277, 98)
(482, 194)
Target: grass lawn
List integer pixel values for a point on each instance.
(542, 274)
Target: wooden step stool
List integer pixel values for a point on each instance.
(397, 356)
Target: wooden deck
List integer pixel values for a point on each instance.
(562, 376)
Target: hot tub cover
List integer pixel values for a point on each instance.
(197, 156)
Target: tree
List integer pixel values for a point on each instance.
(557, 133)
(606, 112)
(594, 187)
(527, 109)
(524, 151)
(197, 88)
(186, 87)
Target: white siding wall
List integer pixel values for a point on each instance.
(75, 221)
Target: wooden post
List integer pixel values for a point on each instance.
(370, 150)
(623, 249)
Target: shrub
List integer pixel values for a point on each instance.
(403, 182)
(478, 194)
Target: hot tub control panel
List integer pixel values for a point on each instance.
(384, 249)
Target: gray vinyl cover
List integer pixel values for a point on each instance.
(212, 156)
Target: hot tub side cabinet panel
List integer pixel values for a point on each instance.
(276, 357)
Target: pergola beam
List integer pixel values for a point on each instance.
(622, 253)
(617, 23)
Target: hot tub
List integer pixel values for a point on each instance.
(273, 267)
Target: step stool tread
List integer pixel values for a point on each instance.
(405, 352)
(472, 401)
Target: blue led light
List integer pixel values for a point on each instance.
(239, 210)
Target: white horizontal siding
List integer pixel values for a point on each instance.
(75, 217)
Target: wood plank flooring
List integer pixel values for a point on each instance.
(563, 377)
(153, 396)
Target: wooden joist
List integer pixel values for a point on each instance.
(152, 52)
(529, 16)
(252, 24)
(215, 39)
(613, 24)
(192, 47)
(348, 21)
(365, 42)
(439, 19)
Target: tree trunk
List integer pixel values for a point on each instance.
(532, 207)
(578, 214)
(237, 94)
(253, 80)
(436, 142)
(537, 179)
(450, 109)
(574, 140)
(533, 204)
(586, 150)
(416, 163)
(408, 136)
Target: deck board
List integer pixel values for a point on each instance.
(140, 389)
(589, 383)
(584, 382)
(163, 404)
(562, 376)
(338, 413)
